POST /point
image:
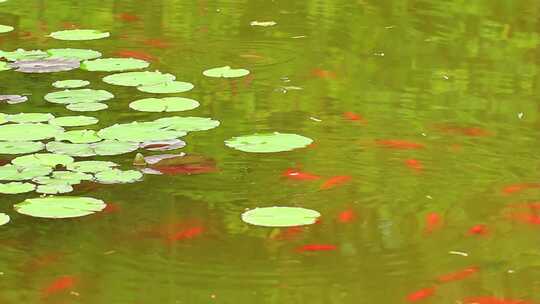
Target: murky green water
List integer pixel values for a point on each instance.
(459, 78)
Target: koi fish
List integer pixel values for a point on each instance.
(478, 230)
(520, 187)
(335, 181)
(433, 222)
(527, 218)
(128, 17)
(493, 300)
(466, 131)
(421, 294)
(414, 164)
(459, 275)
(316, 247)
(399, 144)
(135, 54)
(111, 208)
(59, 285)
(298, 175)
(347, 216)
(354, 117)
(324, 74)
(185, 234)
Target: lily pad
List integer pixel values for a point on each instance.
(3, 119)
(15, 173)
(60, 207)
(20, 147)
(30, 117)
(268, 142)
(115, 176)
(22, 54)
(104, 148)
(79, 35)
(4, 66)
(167, 104)
(134, 79)
(87, 107)
(114, 64)
(226, 72)
(4, 219)
(167, 87)
(139, 132)
(28, 131)
(13, 99)
(46, 65)
(79, 54)
(43, 159)
(6, 28)
(16, 188)
(70, 84)
(78, 96)
(73, 121)
(92, 166)
(79, 136)
(71, 177)
(280, 216)
(162, 145)
(54, 188)
(187, 124)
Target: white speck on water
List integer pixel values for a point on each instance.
(511, 271)
(459, 253)
(381, 54)
(315, 119)
(429, 197)
(297, 37)
(390, 27)
(446, 77)
(424, 134)
(520, 115)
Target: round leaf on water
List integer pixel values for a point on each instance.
(70, 84)
(78, 96)
(20, 147)
(16, 188)
(167, 104)
(226, 72)
(187, 124)
(134, 79)
(268, 142)
(167, 87)
(14, 173)
(22, 54)
(104, 148)
(79, 35)
(46, 180)
(87, 106)
(139, 132)
(43, 159)
(71, 177)
(54, 188)
(114, 64)
(3, 118)
(92, 166)
(79, 136)
(73, 121)
(6, 28)
(280, 216)
(60, 207)
(4, 219)
(4, 66)
(114, 147)
(28, 131)
(79, 54)
(115, 176)
(30, 117)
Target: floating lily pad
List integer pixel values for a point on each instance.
(13, 99)
(167, 87)
(43, 159)
(47, 180)
(139, 132)
(54, 188)
(4, 66)
(167, 104)
(28, 131)
(47, 65)
(16, 188)
(3, 119)
(73, 121)
(15, 173)
(187, 124)
(115, 176)
(20, 147)
(262, 23)
(280, 216)
(134, 79)
(4, 218)
(87, 106)
(92, 166)
(268, 142)
(114, 64)
(163, 145)
(79, 136)
(104, 148)
(22, 54)
(79, 35)
(60, 207)
(79, 54)
(6, 28)
(71, 177)
(30, 117)
(78, 96)
(70, 84)
(226, 72)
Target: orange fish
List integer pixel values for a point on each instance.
(467, 131)
(459, 275)
(527, 218)
(324, 74)
(414, 164)
(347, 216)
(399, 144)
(111, 208)
(185, 234)
(493, 300)
(478, 230)
(316, 247)
(421, 294)
(135, 54)
(354, 117)
(335, 181)
(128, 17)
(433, 222)
(520, 187)
(298, 175)
(59, 285)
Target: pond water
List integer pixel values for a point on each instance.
(424, 164)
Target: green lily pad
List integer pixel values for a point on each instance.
(92, 166)
(134, 79)
(20, 147)
(70, 84)
(79, 136)
(30, 117)
(22, 54)
(4, 219)
(79, 35)
(187, 124)
(268, 142)
(114, 65)
(280, 216)
(3, 118)
(6, 28)
(167, 104)
(79, 54)
(226, 72)
(28, 131)
(54, 188)
(78, 96)
(71, 177)
(103, 148)
(115, 176)
(43, 159)
(4, 66)
(60, 207)
(139, 132)
(15, 173)
(87, 106)
(16, 188)
(167, 87)
(47, 180)
(74, 121)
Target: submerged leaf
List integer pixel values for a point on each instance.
(187, 124)
(114, 64)
(268, 142)
(134, 79)
(79, 35)
(167, 87)
(280, 216)
(20, 147)
(60, 207)
(47, 65)
(13, 99)
(167, 104)
(226, 72)
(70, 84)
(162, 145)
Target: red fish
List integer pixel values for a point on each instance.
(399, 144)
(347, 216)
(111, 208)
(316, 247)
(59, 285)
(433, 222)
(459, 275)
(478, 230)
(185, 234)
(335, 181)
(354, 117)
(493, 300)
(324, 74)
(527, 218)
(520, 187)
(288, 233)
(135, 54)
(421, 294)
(128, 17)
(298, 175)
(414, 164)
(157, 43)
